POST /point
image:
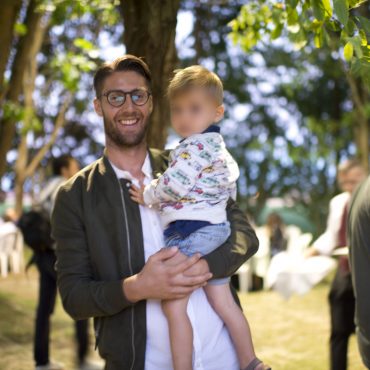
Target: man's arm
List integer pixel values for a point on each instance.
(85, 297)
(359, 243)
(241, 245)
(82, 296)
(327, 242)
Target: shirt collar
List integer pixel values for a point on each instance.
(212, 128)
(146, 169)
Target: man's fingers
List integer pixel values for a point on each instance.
(182, 266)
(164, 254)
(190, 281)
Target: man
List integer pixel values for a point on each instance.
(341, 299)
(64, 167)
(359, 241)
(110, 262)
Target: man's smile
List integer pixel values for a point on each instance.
(128, 122)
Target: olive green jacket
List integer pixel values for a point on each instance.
(98, 233)
(359, 242)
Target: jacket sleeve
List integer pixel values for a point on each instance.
(179, 178)
(241, 245)
(82, 296)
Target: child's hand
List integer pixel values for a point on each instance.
(137, 194)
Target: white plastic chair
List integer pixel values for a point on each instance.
(7, 244)
(16, 254)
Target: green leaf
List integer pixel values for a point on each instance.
(348, 51)
(277, 31)
(318, 9)
(356, 3)
(322, 9)
(20, 29)
(83, 44)
(328, 8)
(356, 42)
(319, 38)
(292, 3)
(365, 24)
(341, 9)
(351, 27)
(363, 38)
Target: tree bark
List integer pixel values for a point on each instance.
(149, 32)
(25, 48)
(8, 18)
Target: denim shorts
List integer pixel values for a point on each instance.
(204, 241)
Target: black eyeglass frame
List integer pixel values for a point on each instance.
(125, 93)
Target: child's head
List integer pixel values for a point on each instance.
(196, 96)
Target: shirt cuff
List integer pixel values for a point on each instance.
(149, 194)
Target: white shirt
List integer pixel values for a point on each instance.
(213, 349)
(328, 241)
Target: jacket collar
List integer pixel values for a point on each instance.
(158, 160)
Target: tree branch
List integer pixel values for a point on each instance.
(59, 123)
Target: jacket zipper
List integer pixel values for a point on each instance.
(131, 273)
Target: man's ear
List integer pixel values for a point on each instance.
(220, 110)
(97, 107)
(150, 104)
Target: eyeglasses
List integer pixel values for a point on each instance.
(117, 98)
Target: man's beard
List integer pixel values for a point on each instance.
(121, 140)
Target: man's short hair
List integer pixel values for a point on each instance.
(125, 63)
(349, 164)
(196, 76)
(61, 162)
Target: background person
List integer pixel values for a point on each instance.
(64, 167)
(341, 297)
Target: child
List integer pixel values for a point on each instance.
(191, 196)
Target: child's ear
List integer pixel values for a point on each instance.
(220, 110)
(97, 107)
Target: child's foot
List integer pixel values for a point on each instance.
(257, 364)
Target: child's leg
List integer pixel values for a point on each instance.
(222, 301)
(181, 333)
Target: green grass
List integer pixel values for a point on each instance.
(287, 334)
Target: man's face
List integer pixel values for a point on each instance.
(125, 126)
(349, 180)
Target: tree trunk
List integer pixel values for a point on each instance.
(149, 32)
(25, 48)
(8, 18)
(360, 96)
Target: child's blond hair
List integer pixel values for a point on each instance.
(196, 76)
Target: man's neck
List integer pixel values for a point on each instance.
(130, 159)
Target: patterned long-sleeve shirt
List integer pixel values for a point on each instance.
(201, 177)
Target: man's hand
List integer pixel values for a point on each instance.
(168, 274)
(137, 194)
(199, 268)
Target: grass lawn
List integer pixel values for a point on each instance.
(288, 335)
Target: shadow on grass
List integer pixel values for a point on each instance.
(16, 325)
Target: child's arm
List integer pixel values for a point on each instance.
(177, 181)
